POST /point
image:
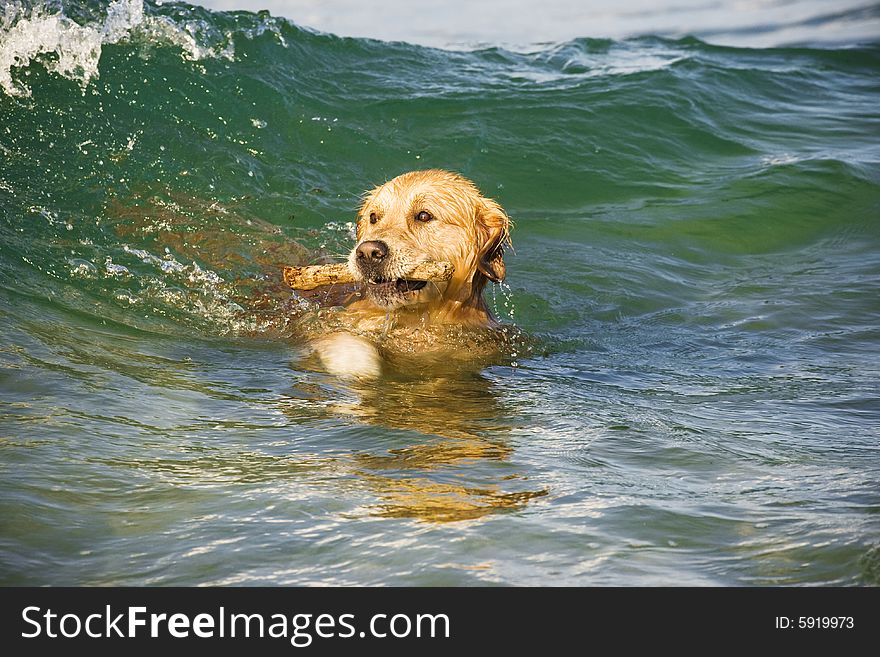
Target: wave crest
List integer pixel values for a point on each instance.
(73, 49)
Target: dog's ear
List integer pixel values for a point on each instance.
(494, 230)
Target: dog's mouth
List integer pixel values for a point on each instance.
(400, 285)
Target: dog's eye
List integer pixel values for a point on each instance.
(373, 217)
(424, 216)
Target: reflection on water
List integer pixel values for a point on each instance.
(423, 499)
(455, 476)
(218, 467)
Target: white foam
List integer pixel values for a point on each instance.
(190, 289)
(777, 160)
(77, 48)
(568, 63)
(191, 37)
(32, 34)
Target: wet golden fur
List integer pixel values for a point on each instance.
(465, 228)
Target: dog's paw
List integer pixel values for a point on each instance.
(349, 356)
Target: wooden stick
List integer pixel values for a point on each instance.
(308, 278)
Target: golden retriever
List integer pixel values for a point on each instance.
(416, 217)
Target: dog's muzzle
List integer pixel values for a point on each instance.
(370, 259)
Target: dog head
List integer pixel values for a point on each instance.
(422, 216)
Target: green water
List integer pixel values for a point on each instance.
(697, 258)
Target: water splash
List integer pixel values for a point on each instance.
(300, 304)
(192, 288)
(28, 35)
(507, 301)
(337, 237)
(512, 335)
(43, 33)
(197, 39)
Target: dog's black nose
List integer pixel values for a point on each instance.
(372, 252)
